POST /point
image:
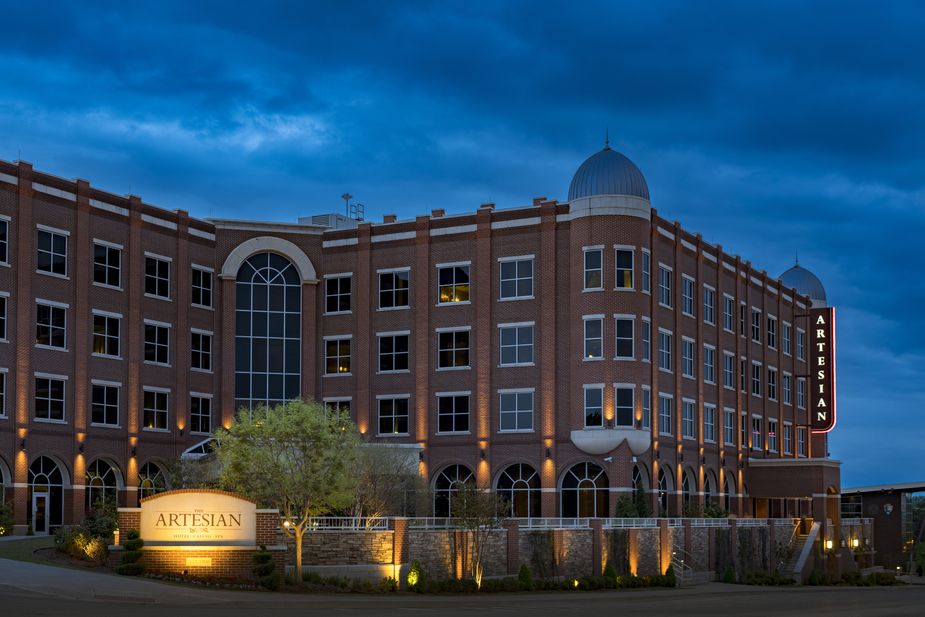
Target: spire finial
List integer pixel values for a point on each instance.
(797, 257)
(606, 137)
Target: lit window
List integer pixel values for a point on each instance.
(688, 412)
(594, 338)
(393, 352)
(337, 356)
(201, 350)
(52, 252)
(453, 349)
(157, 277)
(516, 278)
(337, 294)
(516, 344)
(50, 327)
(594, 406)
(624, 327)
(453, 284)
(155, 409)
(106, 334)
(107, 259)
(394, 289)
(594, 269)
(393, 416)
(157, 343)
(104, 407)
(624, 269)
(200, 413)
(664, 286)
(201, 287)
(624, 406)
(516, 410)
(687, 296)
(453, 413)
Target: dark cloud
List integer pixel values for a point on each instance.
(770, 127)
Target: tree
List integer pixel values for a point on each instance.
(478, 512)
(298, 457)
(387, 480)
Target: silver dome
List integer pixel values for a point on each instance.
(804, 282)
(608, 173)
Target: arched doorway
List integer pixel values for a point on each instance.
(268, 331)
(688, 488)
(729, 491)
(151, 480)
(446, 486)
(710, 489)
(102, 488)
(520, 485)
(46, 495)
(665, 486)
(584, 492)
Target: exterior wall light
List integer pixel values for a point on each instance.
(828, 545)
(482, 454)
(22, 443)
(548, 452)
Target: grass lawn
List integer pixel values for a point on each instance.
(21, 550)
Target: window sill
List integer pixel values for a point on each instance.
(107, 356)
(334, 313)
(5, 264)
(728, 331)
(665, 370)
(625, 358)
(201, 370)
(730, 388)
(691, 315)
(442, 369)
(709, 383)
(404, 371)
(205, 308)
(338, 374)
(105, 286)
(155, 430)
(712, 441)
(393, 308)
(516, 431)
(624, 289)
(666, 306)
(451, 433)
(49, 421)
(463, 303)
(51, 347)
(109, 426)
(156, 297)
(516, 364)
(594, 359)
(149, 363)
(515, 298)
(392, 435)
(63, 277)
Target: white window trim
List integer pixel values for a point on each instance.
(658, 285)
(713, 349)
(108, 244)
(159, 390)
(338, 337)
(713, 289)
(624, 386)
(725, 411)
(687, 339)
(201, 395)
(517, 324)
(786, 324)
(632, 320)
(53, 304)
(208, 270)
(203, 268)
(727, 354)
(714, 408)
(64, 378)
(390, 270)
(641, 287)
(440, 395)
(686, 399)
(777, 333)
(647, 320)
(725, 329)
(783, 445)
(632, 250)
(584, 269)
(111, 315)
(516, 258)
(392, 397)
(339, 275)
(63, 305)
(158, 256)
(658, 351)
(693, 282)
(670, 397)
(378, 353)
(453, 264)
(532, 410)
(162, 324)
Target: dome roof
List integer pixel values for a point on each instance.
(608, 173)
(804, 282)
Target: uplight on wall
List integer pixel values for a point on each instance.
(828, 545)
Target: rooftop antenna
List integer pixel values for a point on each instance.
(796, 254)
(346, 197)
(353, 210)
(606, 137)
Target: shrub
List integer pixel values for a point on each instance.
(130, 562)
(670, 579)
(388, 585)
(525, 577)
(610, 573)
(416, 580)
(729, 576)
(767, 578)
(265, 569)
(882, 579)
(312, 577)
(6, 519)
(130, 569)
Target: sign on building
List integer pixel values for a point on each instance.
(198, 518)
(822, 369)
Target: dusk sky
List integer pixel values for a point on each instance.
(770, 128)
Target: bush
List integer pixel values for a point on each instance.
(6, 519)
(265, 569)
(767, 578)
(525, 577)
(130, 569)
(130, 562)
(669, 578)
(416, 580)
(388, 585)
(729, 576)
(882, 579)
(610, 573)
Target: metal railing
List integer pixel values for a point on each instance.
(352, 523)
(553, 523)
(630, 523)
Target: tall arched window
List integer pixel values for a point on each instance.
(446, 485)
(664, 489)
(688, 486)
(585, 491)
(46, 495)
(640, 479)
(520, 485)
(151, 480)
(729, 490)
(6, 480)
(102, 485)
(709, 489)
(268, 317)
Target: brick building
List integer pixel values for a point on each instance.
(563, 353)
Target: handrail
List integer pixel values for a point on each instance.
(685, 571)
(807, 548)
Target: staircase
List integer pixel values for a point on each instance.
(802, 545)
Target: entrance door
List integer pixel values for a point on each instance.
(40, 514)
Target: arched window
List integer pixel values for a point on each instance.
(46, 495)
(102, 485)
(446, 485)
(520, 485)
(729, 490)
(6, 480)
(151, 480)
(664, 489)
(584, 492)
(268, 316)
(640, 479)
(709, 489)
(688, 487)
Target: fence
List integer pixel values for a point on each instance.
(381, 523)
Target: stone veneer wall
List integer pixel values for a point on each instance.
(445, 554)
(325, 548)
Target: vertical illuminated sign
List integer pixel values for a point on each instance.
(822, 369)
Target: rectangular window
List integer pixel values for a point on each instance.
(709, 305)
(801, 441)
(453, 349)
(772, 435)
(337, 356)
(801, 344)
(646, 407)
(393, 416)
(664, 286)
(516, 410)
(624, 327)
(801, 393)
(729, 426)
(646, 340)
(624, 269)
(155, 409)
(106, 334)
(687, 296)
(743, 375)
(157, 277)
(772, 332)
(646, 271)
(729, 377)
(786, 338)
(665, 423)
(624, 406)
(744, 430)
(516, 278)
(664, 350)
(787, 385)
(757, 437)
(337, 405)
(3, 393)
(594, 406)
(104, 407)
(594, 337)
(516, 344)
(709, 364)
(728, 309)
(337, 294)
(3, 304)
(393, 352)
(594, 268)
(709, 423)
(50, 326)
(687, 357)
(788, 438)
(394, 288)
(4, 241)
(453, 284)
(453, 412)
(201, 287)
(200, 413)
(756, 326)
(49, 398)
(157, 343)
(200, 350)
(688, 413)
(756, 379)
(772, 384)
(107, 264)
(742, 310)
(52, 252)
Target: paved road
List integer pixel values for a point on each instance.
(34, 589)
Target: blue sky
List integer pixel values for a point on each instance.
(770, 127)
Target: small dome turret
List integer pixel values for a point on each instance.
(608, 172)
(806, 283)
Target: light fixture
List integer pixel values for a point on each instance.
(548, 452)
(828, 545)
(421, 456)
(134, 450)
(482, 454)
(855, 542)
(80, 447)
(22, 443)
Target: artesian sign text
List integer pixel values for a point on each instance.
(185, 518)
(822, 369)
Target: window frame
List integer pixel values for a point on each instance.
(157, 278)
(394, 354)
(454, 330)
(709, 368)
(157, 412)
(107, 267)
(688, 300)
(585, 250)
(517, 346)
(454, 414)
(665, 419)
(517, 411)
(394, 291)
(53, 231)
(106, 315)
(157, 345)
(338, 338)
(117, 386)
(586, 389)
(49, 377)
(585, 320)
(666, 351)
(203, 272)
(665, 274)
(617, 319)
(617, 389)
(688, 421)
(709, 305)
(515, 261)
(207, 354)
(729, 318)
(709, 428)
(51, 304)
(395, 417)
(631, 251)
(453, 267)
(202, 396)
(688, 362)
